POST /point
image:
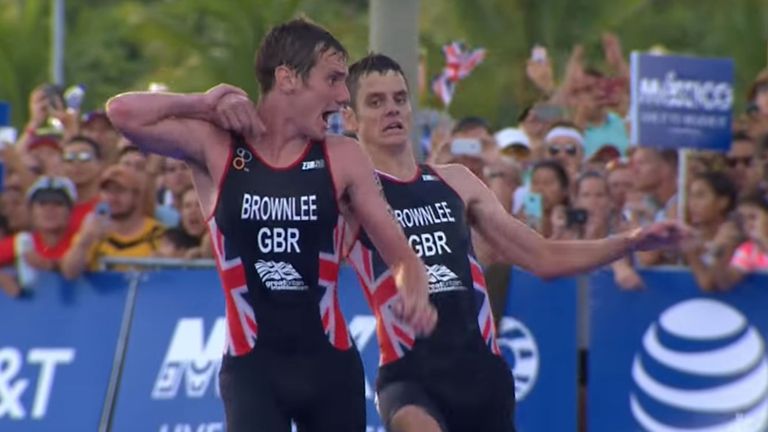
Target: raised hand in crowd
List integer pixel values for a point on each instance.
(574, 76)
(9, 285)
(40, 262)
(539, 71)
(95, 227)
(614, 56)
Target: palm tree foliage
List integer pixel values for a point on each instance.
(117, 45)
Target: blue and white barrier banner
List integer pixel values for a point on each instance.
(681, 102)
(670, 358)
(57, 348)
(170, 376)
(538, 338)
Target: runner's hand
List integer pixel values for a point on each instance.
(233, 110)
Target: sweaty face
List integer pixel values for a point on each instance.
(323, 93)
(382, 110)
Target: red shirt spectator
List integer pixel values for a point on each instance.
(50, 200)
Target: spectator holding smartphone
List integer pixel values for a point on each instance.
(549, 180)
(117, 228)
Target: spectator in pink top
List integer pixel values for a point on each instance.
(751, 255)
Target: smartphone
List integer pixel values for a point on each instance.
(548, 112)
(55, 96)
(8, 136)
(533, 210)
(575, 216)
(103, 209)
(538, 54)
(466, 147)
(74, 96)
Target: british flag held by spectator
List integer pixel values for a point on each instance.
(459, 63)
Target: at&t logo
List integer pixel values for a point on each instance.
(13, 386)
(519, 348)
(702, 367)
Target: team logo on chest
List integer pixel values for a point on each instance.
(280, 276)
(442, 279)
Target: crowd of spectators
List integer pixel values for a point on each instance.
(75, 191)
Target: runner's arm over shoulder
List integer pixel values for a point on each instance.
(181, 126)
(520, 245)
(358, 186)
(361, 195)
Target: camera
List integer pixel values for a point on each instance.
(575, 216)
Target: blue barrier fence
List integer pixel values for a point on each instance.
(142, 353)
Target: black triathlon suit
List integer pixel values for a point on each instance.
(456, 374)
(277, 236)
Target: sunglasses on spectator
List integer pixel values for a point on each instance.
(570, 150)
(733, 162)
(82, 156)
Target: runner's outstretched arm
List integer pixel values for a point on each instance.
(520, 245)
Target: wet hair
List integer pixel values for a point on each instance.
(372, 63)
(82, 139)
(296, 44)
(721, 185)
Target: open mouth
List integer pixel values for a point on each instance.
(327, 116)
(394, 126)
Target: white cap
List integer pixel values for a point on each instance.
(512, 136)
